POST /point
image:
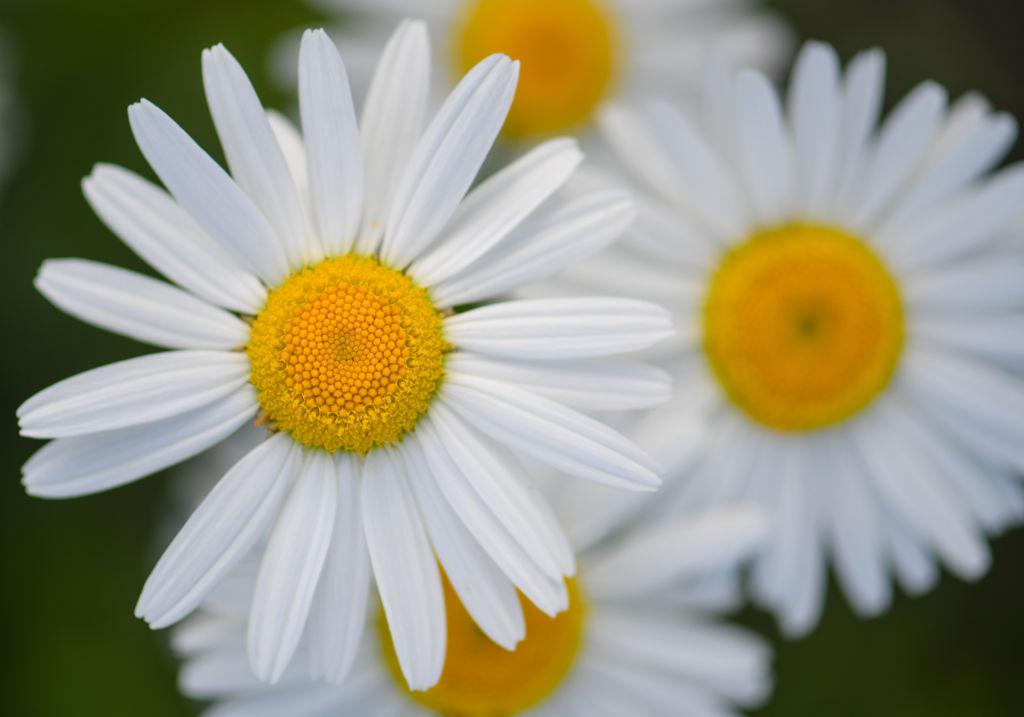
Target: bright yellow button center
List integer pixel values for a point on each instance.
(347, 355)
(803, 326)
(569, 51)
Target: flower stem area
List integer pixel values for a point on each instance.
(72, 572)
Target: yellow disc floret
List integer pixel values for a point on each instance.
(803, 326)
(481, 679)
(347, 355)
(569, 51)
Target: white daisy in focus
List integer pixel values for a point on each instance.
(852, 321)
(575, 54)
(319, 290)
(640, 637)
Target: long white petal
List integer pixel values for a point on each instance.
(545, 244)
(221, 531)
(766, 149)
(392, 122)
(559, 329)
(899, 150)
(332, 141)
(550, 432)
(986, 285)
(132, 392)
(863, 92)
(137, 306)
(252, 151)
(207, 193)
(488, 596)
(815, 106)
(594, 384)
(291, 567)
(663, 555)
(447, 158)
(339, 609)
(455, 480)
(70, 467)
(152, 224)
(495, 208)
(406, 570)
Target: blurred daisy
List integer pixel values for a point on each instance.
(318, 290)
(576, 54)
(852, 320)
(640, 637)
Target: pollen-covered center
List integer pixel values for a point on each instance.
(481, 679)
(803, 326)
(569, 51)
(347, 355)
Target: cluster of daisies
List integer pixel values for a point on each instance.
(509, 444)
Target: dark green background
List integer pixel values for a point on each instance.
(71, 571)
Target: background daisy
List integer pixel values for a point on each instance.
(319, 286)
(576, 54)
(640, 635)
(850, 352)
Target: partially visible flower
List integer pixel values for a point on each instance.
(321, 286)
(576, 54)
(851, 313)
(640, 636)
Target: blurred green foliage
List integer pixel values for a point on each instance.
(72, 570)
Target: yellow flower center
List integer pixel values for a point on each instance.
(803, 326)
(347, 355)
(569, 51)
(481, 679)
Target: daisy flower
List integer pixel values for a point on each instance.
(576, 54)
(851, 319)
(641, 636)
(319, 286)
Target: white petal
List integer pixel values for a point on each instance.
(495, 208)
(901, 146)
(730, 661)
(484, 591)
(961, 226)
(153, 225)
(659, 556)
(291, 567)
(70, 467)
(339, 609)
(332, 142)
(989, 284)
(973, 156)
(904, 478)
(854, 524)
(550, 432)
(447, 158)
(207, 193)
(293, 147)
(766, 149)
(392, 122)
(559, 329)
(595, 384)
(815, 107)
(863, 92)
(137, 306)
(221, 531)
(252, 151)
(543, 245)
(132, 392)
(709, 189)
(992, 339)
(406, 570)
(456, 481)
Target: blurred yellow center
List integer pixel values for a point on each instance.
(347, 355)
(803, 326)
(481, 679)
(569, 52)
